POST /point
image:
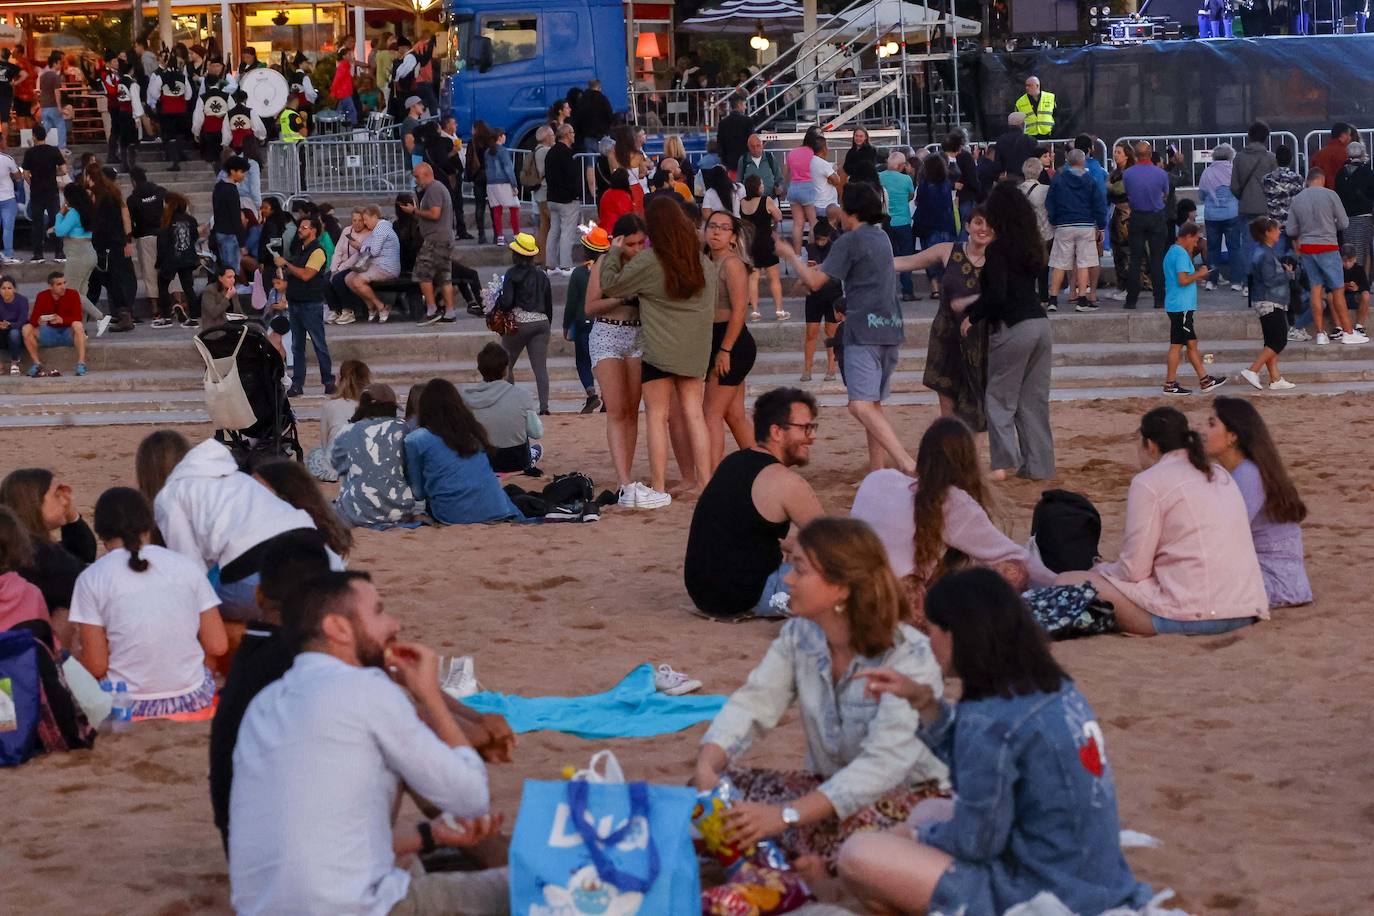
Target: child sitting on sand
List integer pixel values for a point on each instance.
(147, 615)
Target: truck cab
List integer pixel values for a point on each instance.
(517, 57)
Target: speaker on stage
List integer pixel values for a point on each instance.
(1044, 17)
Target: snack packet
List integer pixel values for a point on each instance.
(709, 833)
(756, 890)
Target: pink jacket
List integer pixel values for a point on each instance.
(20, 600)
(1187, 553)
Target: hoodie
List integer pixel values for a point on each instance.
(505, 411)
(1076, 199)
(212, 513)
(20, 600)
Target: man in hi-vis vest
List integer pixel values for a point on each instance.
(1038, 107)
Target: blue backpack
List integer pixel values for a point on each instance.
(20, 697)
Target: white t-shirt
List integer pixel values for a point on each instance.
(711, 201)
(151, 619)
(8, 169)
(822, 169)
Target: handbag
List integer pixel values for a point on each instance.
(225, 399)
(597, 844)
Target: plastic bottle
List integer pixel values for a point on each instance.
(122, 713)
(107, 724)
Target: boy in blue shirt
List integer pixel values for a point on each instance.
(1180, 302)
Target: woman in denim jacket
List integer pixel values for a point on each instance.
(1035, 802)
(865, 768)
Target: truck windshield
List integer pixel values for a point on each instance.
(460, 33)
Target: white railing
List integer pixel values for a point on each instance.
(1196, 149)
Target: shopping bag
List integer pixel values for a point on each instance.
(20, 702)
(225, 399)
(604, 847)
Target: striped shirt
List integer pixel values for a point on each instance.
(385, 248)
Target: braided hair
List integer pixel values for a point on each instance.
(124, 513)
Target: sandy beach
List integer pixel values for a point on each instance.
(1248, 755)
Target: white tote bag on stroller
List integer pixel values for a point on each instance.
(225, 399)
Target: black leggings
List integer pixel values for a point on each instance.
(188, 287)
(479, 204)
(115, 272)
(467, 282)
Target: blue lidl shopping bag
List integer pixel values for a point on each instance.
(20, 697)
(604, 849)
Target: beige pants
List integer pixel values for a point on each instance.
(145, 263)
(456, 893)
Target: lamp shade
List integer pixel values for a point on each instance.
(647, 46)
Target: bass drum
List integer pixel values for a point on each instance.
(267, 92)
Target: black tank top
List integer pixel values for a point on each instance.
(731, 549)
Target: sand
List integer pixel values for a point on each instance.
(1247, 755)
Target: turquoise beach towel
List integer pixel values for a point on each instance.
(631, 709)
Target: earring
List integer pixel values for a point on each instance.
(839, 609)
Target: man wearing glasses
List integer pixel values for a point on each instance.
(740, 529)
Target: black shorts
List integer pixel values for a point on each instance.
(820, 305)
(23, 108)
(742, 355)
(1181, 328)
(1274, 326)
(651, 373)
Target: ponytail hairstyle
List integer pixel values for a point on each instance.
(123, 513)
(1168, 429)
(1281, 500)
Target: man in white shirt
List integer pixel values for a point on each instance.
(320, 756)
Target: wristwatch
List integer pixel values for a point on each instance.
(791, 816)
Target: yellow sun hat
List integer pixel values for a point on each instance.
(525, 244)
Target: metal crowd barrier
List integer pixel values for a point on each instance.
(1059, 147)
(342, 165)
(1196, 149)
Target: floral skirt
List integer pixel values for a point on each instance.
(776, 787)
(193, 701)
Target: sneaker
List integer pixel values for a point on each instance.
(500, 240)
(1118, 296)
(628, 498)
(383, 316)
(1237, 288)
(458, 677)
(1354, 339)
(1253, 378)
(346, 318)
(294, 392)
(674, 683)
(7, 259)
(80, 368)
(649, 498)
(1083, 304)
(806, 376)
(157, 323)
(372, 317)
(1298, 334)
(330, 316)
(783, 316)
(1208, 382)
(755, 316)
(1335, 333)
(1322, 339)
(592, 404)
(1281, 385)
(1209, 286)
(194, 323)
(447, 317)
(1052, 305)
(1359, 329)
(59, 260)
(432, 317)
(103, 325)
(14, 368)
(1176, 388)
(330, 388)
(475, 310)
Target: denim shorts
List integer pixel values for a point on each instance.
(1167, 626)
(868, 370)
(49, 336)
(802, 193)
(1324, 269)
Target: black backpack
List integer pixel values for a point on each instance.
(1066, 527)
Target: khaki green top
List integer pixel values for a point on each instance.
(677, 332)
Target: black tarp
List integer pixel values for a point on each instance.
(1297, 84)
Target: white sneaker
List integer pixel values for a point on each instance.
(102, 326)
(1298, 334)
(1118, 296)
(7, 260)
(1322, 339)
(1253, 378)
(1354, 339)
(1209, 286)
(674, 683)
(629, 496)
(458, 677)
(330, 316)
(1281, 385)
(345, 318)
(1236, 288)
(646, 497)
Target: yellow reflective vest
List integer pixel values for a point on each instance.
(289, 124)
(1039, 122)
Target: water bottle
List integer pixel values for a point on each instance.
(122, 714)
(107, 724)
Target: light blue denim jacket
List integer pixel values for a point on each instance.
(861, 747)
(1035, 806)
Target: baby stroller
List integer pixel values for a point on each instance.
(244, 394)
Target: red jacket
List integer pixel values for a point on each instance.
(614, 205)
(1331, 159)
(342, 86)
(68, 309)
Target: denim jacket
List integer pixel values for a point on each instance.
(1035, 803)
(862, 748)
(1268, 279)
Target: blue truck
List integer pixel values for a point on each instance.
(517, 58)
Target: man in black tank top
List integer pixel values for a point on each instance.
(743, 515)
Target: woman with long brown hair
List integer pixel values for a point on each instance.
(941, 520)
(676, 287)
(109, 235)
(43, 504)
(868, 769)
(1237, 438)
(294, 484)
(732, 346)
(176, 257)
(475, 171)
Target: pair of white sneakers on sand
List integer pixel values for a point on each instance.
(642, 496)
(458, 679)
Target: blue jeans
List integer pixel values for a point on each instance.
(771, 587)
(1228, 229)
(9, 209)
(903, 243)
(238, 600)
(308, 318)
(345, 108)
(227, 249)
(1247, 248)
(14, 341)
(52, 119)
(1165, 626)
(939, 236)
(581, 334)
